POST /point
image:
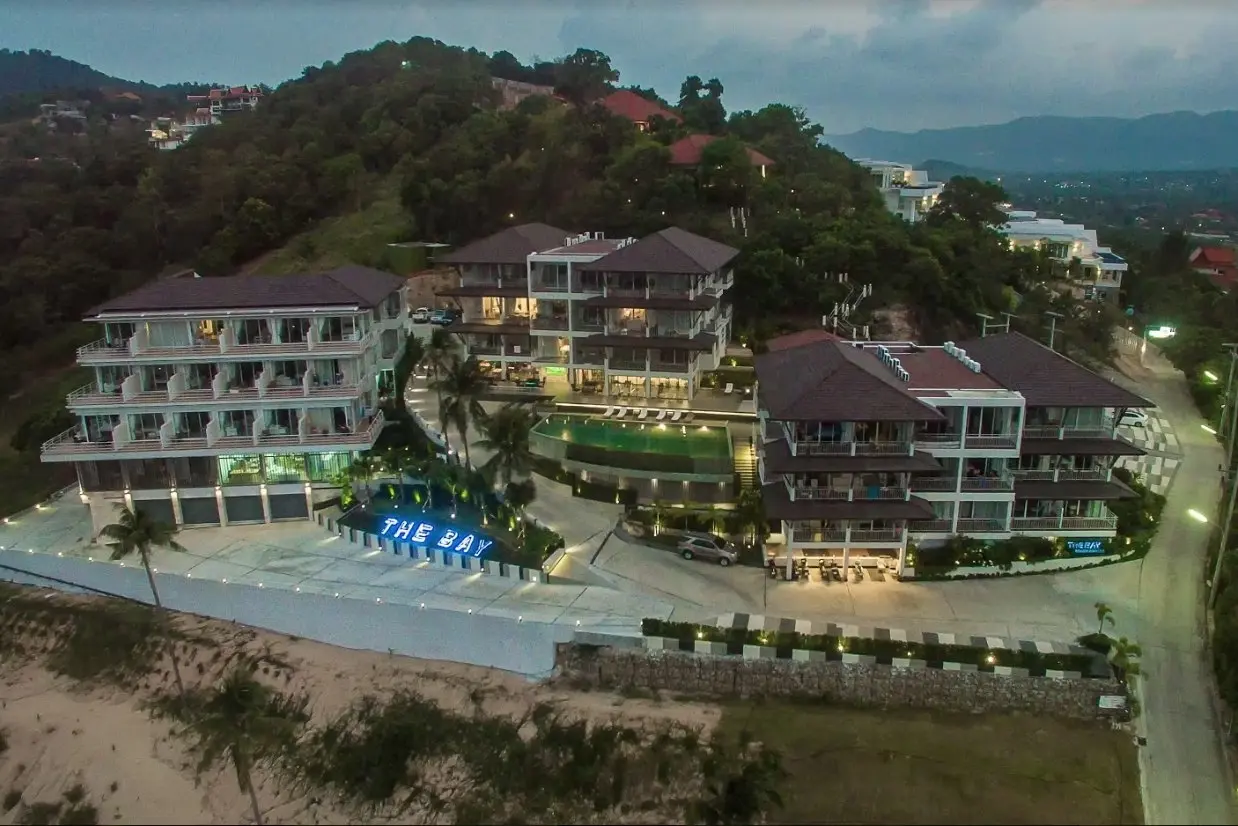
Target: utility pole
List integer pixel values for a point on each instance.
(1053, 317)
(1230, 479)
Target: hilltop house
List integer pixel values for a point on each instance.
(1218, 264)
(233, 99)
(688, 152)
(906, 192)
(1099, 277)
(641, 111)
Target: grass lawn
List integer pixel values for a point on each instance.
(851, 765)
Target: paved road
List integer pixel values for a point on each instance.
(1183, 766)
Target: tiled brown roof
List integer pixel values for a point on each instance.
(1082, 490)
(635, 108)
(1214, 256)
(1045, 378)
(799, 339)
(343, 287)
(1079, 447)
(778, 459)
(511, 246)
(778, 505)
(689, 150)
(831, 381)
(672, 251)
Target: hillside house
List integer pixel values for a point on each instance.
(689, 151)
(639, 110)
(1217, 264)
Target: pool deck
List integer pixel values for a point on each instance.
(304, 558)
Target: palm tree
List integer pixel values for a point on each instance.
(460, 389)
(138, 532)
(363, 469)
(750, 515)
(455, 479)
(441, 354)
(247, 723)
(518, 496)
(506, 434)
(437, 474)
(1124, 657)
(1103, 614)
(413, 354)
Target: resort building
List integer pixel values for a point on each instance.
(906, 192)
(690, 151)
(1217, 264)
(233, 99)
(217, 401)
(1098, 274)
(639, 110)
(863, 446)
(637, 321)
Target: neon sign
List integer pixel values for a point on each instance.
(426, 534)
(1084, 547)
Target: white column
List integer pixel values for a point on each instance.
(266, 503)
(902, 555)
(178, 518)
(220, 504)
(789, 534)
(309, 500)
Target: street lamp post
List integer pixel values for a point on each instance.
(1233, 487)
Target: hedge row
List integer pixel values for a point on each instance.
(885, 651)
(595, 491)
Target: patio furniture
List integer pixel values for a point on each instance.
(687, 417)
(729, 389)
(677, 415)
(610, 411)
(621, 412)
(662, 414)
(644, 411)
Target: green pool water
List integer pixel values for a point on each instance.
(640, 437)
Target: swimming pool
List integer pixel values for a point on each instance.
(639, 437)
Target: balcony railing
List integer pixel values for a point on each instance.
(990, 441)
(667, 367)
(628, 364)
(1100, 430)
(1000, 483)
(858, 494)
(934, 483)
(139, 346)
(981, 526)
(1064, 475)
(938, 441)
(882, 535)
(933, 526)
(581, 326)
(540, 286)
(538, 322)
(854, 448)
(1064, 523)
(806, 533)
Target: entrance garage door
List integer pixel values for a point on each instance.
(200, 510)
(158, 509)
(288, 506)
(244, 509)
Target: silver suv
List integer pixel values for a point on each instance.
(702, 546)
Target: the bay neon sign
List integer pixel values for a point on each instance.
(426, 534)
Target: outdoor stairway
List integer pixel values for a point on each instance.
(745, 460)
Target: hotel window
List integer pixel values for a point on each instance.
(327, 467)
(240, 470)
(284, 467)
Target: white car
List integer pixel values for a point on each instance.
(421, 315)
(699, 546)
(1133, 418)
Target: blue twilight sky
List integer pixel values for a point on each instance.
(892, 64)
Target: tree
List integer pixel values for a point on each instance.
(702, 112)
(363, 470)
(413, 353)
(1103, 614)
(750, 515)
(460, 390)
(970, 200)
(442, 353)
(518, 496)
(506, 435)
(246, 723)
(136, 532)
(584, 76)
(737, 790)
(1124, 657)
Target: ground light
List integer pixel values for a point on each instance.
(1208, 429)
(1211, 376)
(1196, 515)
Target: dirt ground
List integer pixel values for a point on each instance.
(904, 767)
(422, 286)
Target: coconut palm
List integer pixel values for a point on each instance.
(750, 515)
(1103, 614)
(438, 474)
(413, 353)
(441, 353)
(245, 722)
(363, 469)
(506, 434)
(136, 532)
(460, 389)
(518, 496)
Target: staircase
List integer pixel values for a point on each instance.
(745, 456)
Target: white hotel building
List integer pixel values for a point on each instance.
(1100, 275)
(231, 400)
(864, 446)
(907, 192)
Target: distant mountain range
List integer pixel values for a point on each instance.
(38, 71)
(1170, 142)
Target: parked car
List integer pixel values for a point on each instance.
(1133, 418)
(442, 317)
(421, 315)
(709, 548)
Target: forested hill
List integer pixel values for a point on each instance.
(82, 219)
(37, 71)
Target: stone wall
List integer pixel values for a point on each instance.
(860, 684)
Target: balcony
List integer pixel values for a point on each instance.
(805, 533)
(1096, 474)
(638, 365)
(1001, 483)
(981, 526)
(881, 535)
(538, 322)
(933, 526)
(1100, 430)
(938, 441)
(1064, 523)
(939, 484)
(581, 325)
(667, 367)
(540, 286)
(991, 441)
(857, 494)
(854, 448)
(139, 348)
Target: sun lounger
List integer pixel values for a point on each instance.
(687, 417)
(662, 414)
(644, 411)
(729, 389)
(677, 415)
(620, 413)
(610, 411)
